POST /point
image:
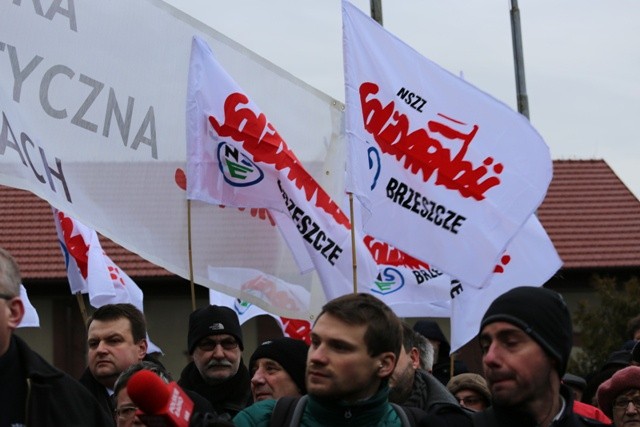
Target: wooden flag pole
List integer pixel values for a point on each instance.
(353, 246)
(193, 287)
(83, 308)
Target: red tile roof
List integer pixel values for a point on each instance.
(27, 231)
(591, 216)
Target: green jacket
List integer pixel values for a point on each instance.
(375, 412)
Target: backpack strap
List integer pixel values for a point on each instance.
(287, 411)
(409, 416)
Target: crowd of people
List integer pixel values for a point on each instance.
(363, 367)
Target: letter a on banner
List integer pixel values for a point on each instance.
(444, 172)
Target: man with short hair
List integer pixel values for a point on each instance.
(217, 371)
(32, 391)
(412, 386)
(277, 369)
(619, 397)
(355, 343)
(526, 337)
(116, 339)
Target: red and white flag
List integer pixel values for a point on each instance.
(235, 157)
(445, 172)
(91, 271)
(294, 328)
(530, 260)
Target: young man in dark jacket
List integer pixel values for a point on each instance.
(355, 344)
(32, 391)
(526, 337)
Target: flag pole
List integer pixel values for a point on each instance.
(376, 11)
(193, 287)
(353, 245)
(83, 308)
(518, 60)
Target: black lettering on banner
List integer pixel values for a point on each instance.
(311, 231)
(55, 8)
(8, 140)
(412, 99)
(60, 78)
(456, 288)
(405, 196)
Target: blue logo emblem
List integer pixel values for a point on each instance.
(388, 281)
(238, 170)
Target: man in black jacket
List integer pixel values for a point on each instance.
(32, 391)
(217, 371)
(526, 337)
(116, 339)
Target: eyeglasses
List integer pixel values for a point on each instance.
(126, 412)
(210, 345)
(469, 400)
(7, 296)
(623, 402)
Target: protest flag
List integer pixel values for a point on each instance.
(293, 328)
(445, 172)
(235, 157)
(91, 271)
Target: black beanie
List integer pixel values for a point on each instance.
(290, 353)
(213, 320)
(542, 314)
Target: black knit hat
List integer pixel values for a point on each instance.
(213, 320)
(542, 314)
(290, 353)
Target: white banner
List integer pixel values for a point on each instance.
(445, 172)
(298, 329)
(31, 318)
(530, 260)
(92, 119)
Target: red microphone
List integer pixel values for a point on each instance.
(164, 405)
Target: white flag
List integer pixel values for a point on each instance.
(298, 329)
(30, 318)
(445, 172)
(236, 157)
(530, 260)
(91, 271)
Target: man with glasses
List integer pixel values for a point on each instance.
(217, 371)
(619, 397)
(32, 392)
(526, 338)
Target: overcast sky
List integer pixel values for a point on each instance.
(582, 58)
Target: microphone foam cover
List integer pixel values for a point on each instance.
(148, 392)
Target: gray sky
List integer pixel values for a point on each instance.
(582, 58)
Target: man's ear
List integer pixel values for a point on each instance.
(414, 355)
(386, 364)
(16, 312)
(142, 348)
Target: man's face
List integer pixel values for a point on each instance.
(470, 399)
(517, 369)
(112, 349)
(625, 412)
(217, 357)
(338, 363)
(269, 380)
(401, 381)
(126, 410)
